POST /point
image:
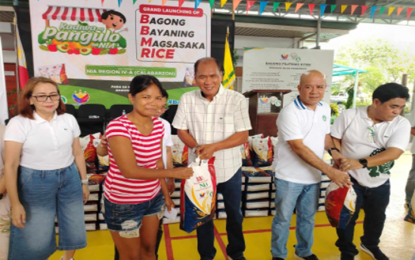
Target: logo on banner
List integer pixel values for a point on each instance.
(80, 97)
(284, 56)
(64, 99)
(83, 38)
(263, 101)
(295, 57)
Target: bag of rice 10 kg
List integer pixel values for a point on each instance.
(198, 195)
(410, 217)
(340, 205)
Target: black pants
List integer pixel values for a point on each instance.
(374, 202)
(159, 236)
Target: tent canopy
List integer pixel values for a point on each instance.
(340, 70)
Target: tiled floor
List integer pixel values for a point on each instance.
(398, 239)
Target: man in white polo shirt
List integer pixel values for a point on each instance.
(214, 121)
(372, 137)
(304, 134)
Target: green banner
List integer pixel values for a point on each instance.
(129, 71)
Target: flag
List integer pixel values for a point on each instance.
(222, 3)
(22, 67)
(211, 2)
(287, 6)
(382, 9)
(408, 14)
(311, 7)
(262, 6)
(299, 5)
(372, 11)
(276, 4)
(322, 9)
(364, 8)
(353, 9)
(119, 3)
(332, 8)
(249, 4)
(343, 8)
(229, 72)
(236, 3)
(181, 3)
(400, 9)
(197, 3)
(391, 9)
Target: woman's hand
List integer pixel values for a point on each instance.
(85, 192)
(18, 215)
(170, 185)
(169, 203)
(182, 173)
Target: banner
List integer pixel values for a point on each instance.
(93, 50)
(271, 68)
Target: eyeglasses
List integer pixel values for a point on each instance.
(43, 98)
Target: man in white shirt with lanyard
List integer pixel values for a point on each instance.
(372, 137)
(214, 121)
(304, 134)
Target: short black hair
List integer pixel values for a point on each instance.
(164, 93)
(390, 91)
(207, 59)
(105, 15)
(143, 82)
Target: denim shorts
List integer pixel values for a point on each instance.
(127, 217)
(44, 196)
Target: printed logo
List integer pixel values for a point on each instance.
(82, 38)
(173, 102)
(263, 101)
(376, 171)
(324, 118)
(199, 179)
(295, 57)
(64, 99)
(80, 97)
(284, 56)
(202, 195)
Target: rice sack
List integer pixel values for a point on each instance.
(340, 205)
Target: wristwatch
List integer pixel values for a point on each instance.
(331, 149)
(84, 182)
(194, 148)
(363, 162)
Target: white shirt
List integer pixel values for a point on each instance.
(361, 139)
(211, 122)
(296, 121)
(167, 141)
(46, 145)
(412, 121)
(2, 130)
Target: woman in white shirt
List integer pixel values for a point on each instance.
(44, 165)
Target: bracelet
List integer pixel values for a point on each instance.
(333, 148)
(84, 182)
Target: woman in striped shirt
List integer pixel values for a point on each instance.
(135, 184)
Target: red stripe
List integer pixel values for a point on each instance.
(65, 13)
(73, 15)
(98, 15)
(55, 15)
(91, 16)
(167, 240)
(82, 18)
(220, 242)
(45, 15)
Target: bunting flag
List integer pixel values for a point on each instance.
(22, 66)
(249, 4)
(311, 7)
(353, 9)
(223, 2)
(102, 2)
(382, 9)
(372, 11)
(322, 9)
(119, 3)
(235, 4)
(332, 8)
(197, 3)
(262, 6)
(343, 7)
(287, 6)
(408, 14)
(400, 9)
(391, 9)
(229, 73)
(181, 3)
(211, 2)
(276, 4)
(299, 5)
(364, 8)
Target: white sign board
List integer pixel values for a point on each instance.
(272, 68)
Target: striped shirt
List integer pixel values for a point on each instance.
(121, 190)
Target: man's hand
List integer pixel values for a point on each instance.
(337, 157)
(340, 178)
(170, 185)
(350, 164)
(206, 151)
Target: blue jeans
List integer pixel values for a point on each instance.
(290, 195)
(374, 202)
(410, 183)
(45, 195)
(232, 195)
